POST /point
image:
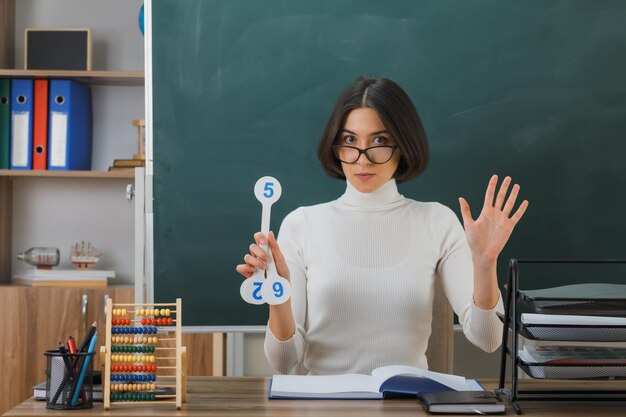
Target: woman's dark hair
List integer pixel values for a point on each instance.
(398, 114)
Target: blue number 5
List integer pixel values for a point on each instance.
(255, 293)
(269, 190)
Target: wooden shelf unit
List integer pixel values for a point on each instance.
(127, 78)
(129, 174)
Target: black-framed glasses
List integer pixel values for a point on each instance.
(375, 154)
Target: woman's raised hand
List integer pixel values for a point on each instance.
(489, 233)
(259, 258)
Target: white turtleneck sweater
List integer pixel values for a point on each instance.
(362, 273)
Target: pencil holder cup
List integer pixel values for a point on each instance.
(69, 380)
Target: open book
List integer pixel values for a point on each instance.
(383, 382)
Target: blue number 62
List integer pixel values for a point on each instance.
(269, 191)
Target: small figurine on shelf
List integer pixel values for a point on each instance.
(139, 159)
(84, 255)
(41, 257)
(140, 124)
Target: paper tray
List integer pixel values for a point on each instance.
(573, 333)
(567, 371)
(579, 299)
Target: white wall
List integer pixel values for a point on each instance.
(59, 212)
(117, 41)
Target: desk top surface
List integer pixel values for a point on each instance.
(247, 396)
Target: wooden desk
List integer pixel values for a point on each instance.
(247, 396)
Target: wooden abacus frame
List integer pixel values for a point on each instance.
(180, 371)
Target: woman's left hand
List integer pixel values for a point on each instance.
(488, 234)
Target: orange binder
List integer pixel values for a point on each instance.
(40, 125)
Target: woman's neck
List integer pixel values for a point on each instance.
(386, 196)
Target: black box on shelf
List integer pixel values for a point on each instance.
(57, 49)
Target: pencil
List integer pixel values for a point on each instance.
(87, 338)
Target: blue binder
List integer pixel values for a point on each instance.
(69, 126)
(21, 124)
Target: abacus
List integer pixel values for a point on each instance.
(139, 352)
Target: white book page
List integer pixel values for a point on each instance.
(322, 384)
(382, 374)
(558, 319)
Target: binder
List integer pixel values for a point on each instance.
(21, 124)
(40, 125)
(70, 126)
(5, 123)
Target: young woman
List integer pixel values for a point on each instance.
(363, 267)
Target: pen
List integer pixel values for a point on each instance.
(68, 364)
(71, 344)
(68, 375)
(85, 343)
(83, 372)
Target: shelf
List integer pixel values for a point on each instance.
(128, 78)
(130, 174)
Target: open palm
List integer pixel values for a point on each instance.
(488, 234)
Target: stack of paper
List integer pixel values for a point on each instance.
(574, 361)
(63, 278)
(573, 327)
(567, 319)
(575, 355)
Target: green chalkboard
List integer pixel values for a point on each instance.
(242, 89)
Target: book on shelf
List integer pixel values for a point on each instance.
(129, 163)
(122, 169)
(461, 402)
(384, 382)
(63, 277)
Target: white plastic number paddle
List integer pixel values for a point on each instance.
(275, 289)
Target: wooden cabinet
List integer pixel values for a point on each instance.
(205, 354)
(35, 320)
(7, 33)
